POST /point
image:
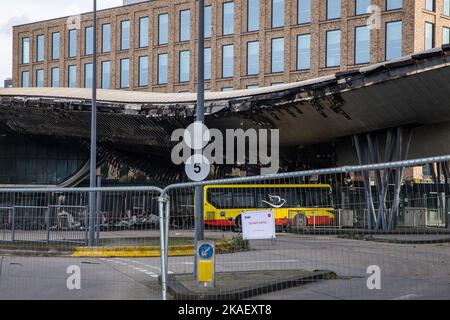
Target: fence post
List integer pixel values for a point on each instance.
(167, 226)
(162, 200)
(13, 224)
(49, 212)
(97, 212)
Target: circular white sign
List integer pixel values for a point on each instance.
(196, 136)
(197, 167)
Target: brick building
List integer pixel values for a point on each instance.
(150, 45)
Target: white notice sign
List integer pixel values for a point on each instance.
(258, 225)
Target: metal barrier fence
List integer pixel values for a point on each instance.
(332, 227)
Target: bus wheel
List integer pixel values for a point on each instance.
(238, 224)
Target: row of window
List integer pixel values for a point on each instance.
(253, 24)
(430, 5)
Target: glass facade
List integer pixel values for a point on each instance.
(429, 35)
(89, 40)
(277, 64)
(162, 68)
(88, 75)
(394, 39)
(25, 79)
(303, 52)
(25, 50)
(394, 4)
(125, 35)
(362, 6)
(56, 45)
(185, 25)
(106, 74)
(228, 18)
(40, 48)
(277, 13)
(252, 58)
(106, 38)
(183, 66)
(40, 78)
(303, 11)
(73, 35)
(333, 9)
(208, 21)
(143, 32)
(333, 48)
(72, 76)
(253, 12)
(227, 61)
(362, 45)
(143, 71)
(124, 73)
(163, 29)
(207, 63)
(55, 77)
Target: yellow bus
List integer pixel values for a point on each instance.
(297, 204)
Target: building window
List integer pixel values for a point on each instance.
(208, 21)
(277, 64)
(252, 86)
(429, 35)
(143, 71)
(162, 68)
(183, 66)
(430, 5)
(446, 10)
(228, 18)
(25, 50)
(25, 79)
(394, 4)
(394, 39)
(88, 75)
(73, 43)
(446, 35)
(253, 13)
(277, 13)
(56, 41)
(227, 89)
(185, 25)
(143, 32)
(362, 45)
(362, 6)
(106, 74)
(72, 76)
(252, 58)
(55, 77)
(88, 40)
(40, 48)
(303, 11)
(333, 9)
(40, 78)
(303, 52)
(163, 29)
(106, 38)
(125, 35)
(124, 73)
(207, 63)
(333, 48)
(227, 61)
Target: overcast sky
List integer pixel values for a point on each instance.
(14, 12)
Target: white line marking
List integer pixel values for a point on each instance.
(406, 297)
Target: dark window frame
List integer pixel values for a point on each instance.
(296, 56)
(271, 56)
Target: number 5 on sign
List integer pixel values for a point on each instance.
(197, 167)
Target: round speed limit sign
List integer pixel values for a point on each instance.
(197, 167)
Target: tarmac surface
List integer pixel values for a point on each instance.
(407, 271)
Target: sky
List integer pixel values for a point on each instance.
(25, 11)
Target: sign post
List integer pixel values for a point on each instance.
(206, 252)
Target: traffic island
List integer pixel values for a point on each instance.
(242, 284)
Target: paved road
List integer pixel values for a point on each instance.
(407, 271)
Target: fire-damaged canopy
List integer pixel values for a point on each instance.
(411, 91)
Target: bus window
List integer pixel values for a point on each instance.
(220, 198)
(244, 198)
